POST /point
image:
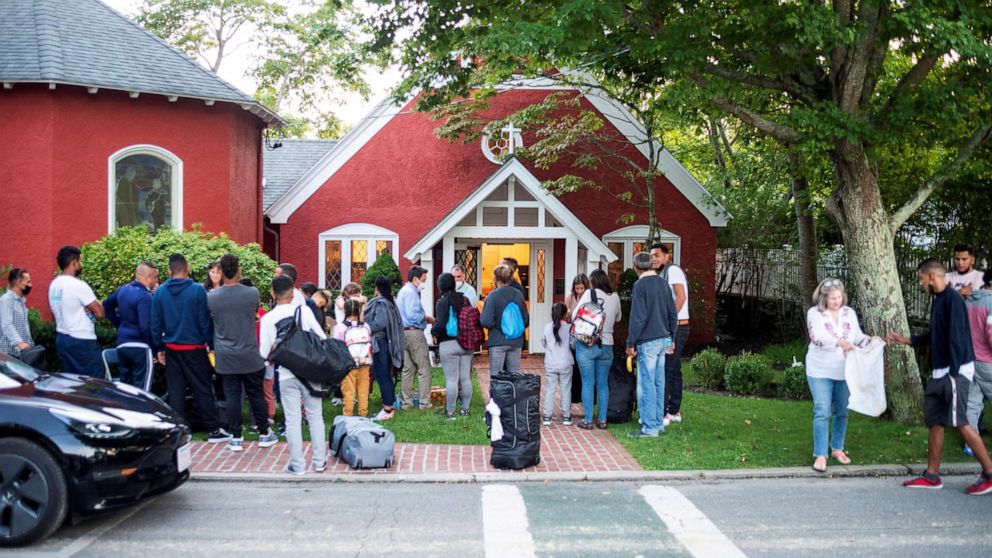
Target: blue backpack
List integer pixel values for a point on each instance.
(451, 328)
(512, 322)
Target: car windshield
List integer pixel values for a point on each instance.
(14, 373)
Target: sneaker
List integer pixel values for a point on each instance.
(450, 416)
(236, 444)
(666, 421)
(924, 482)
(567, 421)
(268, 440)
(546, 421)
(337, 401)
(982, 486)
(383, 415)
(641, 434)
(218, 436)
(677, 417)
(320, 468)
(293, 471)
(463, 412)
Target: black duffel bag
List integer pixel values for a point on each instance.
(518, 397)
(310, 358)
(623, 391)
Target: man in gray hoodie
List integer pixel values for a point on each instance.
(653, 321)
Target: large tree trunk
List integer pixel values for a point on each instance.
(807, 233)
(858, 209)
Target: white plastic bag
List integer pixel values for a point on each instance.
(865, 375)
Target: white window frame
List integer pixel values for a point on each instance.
(638, 233)
(177, 182)
(346, 233)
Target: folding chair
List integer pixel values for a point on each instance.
(112, 358)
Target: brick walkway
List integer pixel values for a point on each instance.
(562, 449)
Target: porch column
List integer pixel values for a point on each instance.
(571, 260)
(592, 261)
(427, 292)
(447, 253)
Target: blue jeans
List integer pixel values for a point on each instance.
(382, 368)
(80, 356)
(594, 366)
(651, 385)
(829, 399)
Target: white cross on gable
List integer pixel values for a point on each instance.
(511, 136)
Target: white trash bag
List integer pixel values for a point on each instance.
(865, 375)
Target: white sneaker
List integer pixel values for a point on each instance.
(666, 421)
(677, 417)
(383, 415)
(268, 440)
(236, 444)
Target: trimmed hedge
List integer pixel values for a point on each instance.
(793, 384)
(747, 374)
(708, 366)
(384, 265)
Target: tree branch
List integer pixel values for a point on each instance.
(778, 131)
(855, 69)
(913, 78)
(982, 134)
(797, 90)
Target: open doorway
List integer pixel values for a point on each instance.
(534, 271)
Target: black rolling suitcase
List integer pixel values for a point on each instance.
(518, 397)
(623, 392)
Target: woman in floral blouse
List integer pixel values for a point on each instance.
(833, 331)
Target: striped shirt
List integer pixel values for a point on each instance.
(14, 328)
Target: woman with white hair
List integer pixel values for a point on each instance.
(833, 331)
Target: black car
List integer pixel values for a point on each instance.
(75, 446)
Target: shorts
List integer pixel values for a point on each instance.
(945, 402)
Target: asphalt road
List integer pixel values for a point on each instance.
(756, 518)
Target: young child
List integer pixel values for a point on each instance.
(356, 383)
(557, 364)
(291, 390)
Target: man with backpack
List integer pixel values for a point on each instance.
(652, 322)
(416, 359)
(661, 261)
(233, 307)
(505, 316)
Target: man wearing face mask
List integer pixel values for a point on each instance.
(75, 308)
(129, 308)
(15, 333)
(416, 361)
(467, 290)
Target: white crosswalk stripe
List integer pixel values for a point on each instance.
(505, 527)
(688, 524)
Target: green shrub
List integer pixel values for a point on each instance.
(793, 384)
(708, 366)
(784, 354)
(747, 374)
(384, 265)
(110, 261)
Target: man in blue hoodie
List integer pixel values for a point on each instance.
(181, 329)
(129, 308)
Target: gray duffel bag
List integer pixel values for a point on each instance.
(367, 446)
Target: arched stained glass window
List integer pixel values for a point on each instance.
(145, 189)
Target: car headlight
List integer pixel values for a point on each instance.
(109, 423)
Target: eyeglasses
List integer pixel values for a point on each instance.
(831, 283)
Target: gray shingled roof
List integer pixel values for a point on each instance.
(284, 166)
(87, 43)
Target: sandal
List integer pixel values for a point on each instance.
(585, 425)
(819, 469)
(841, 457)
(601, 425)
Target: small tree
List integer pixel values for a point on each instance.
(110, 261)
(384, 265)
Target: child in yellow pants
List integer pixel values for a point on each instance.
(358, 337)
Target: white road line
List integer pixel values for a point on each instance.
(688, 524)
(504, 523)
(88, 539)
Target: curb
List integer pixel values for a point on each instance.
(839, 471)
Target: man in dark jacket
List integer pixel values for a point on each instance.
(504, 354)
(653, 321)
(945, 400)
(129, 308)
(181, 330)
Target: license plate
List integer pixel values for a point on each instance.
(184, 457)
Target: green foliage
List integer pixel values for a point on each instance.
(708, 366)
(626, 287)
(110, 261)
(783, 355)
(747, 374)
(793, 384)
(384, 265)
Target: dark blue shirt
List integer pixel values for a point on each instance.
(129, 308)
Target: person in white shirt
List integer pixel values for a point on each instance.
(661, 261)
(462, 286)
(833, 331)
(292, 390)
(75, 308)
(965, 278)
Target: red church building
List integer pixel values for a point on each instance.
(390, 185)
(105, 125)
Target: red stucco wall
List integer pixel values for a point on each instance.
(406, 180)
(54, 149)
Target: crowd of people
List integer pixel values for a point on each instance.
(222, 328)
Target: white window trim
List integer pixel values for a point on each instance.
(346, 233)
(638, 233)
(177, 182)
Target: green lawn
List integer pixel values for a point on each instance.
(722, 432)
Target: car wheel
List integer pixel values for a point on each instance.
(33, 497)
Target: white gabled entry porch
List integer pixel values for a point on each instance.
(511, 208)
